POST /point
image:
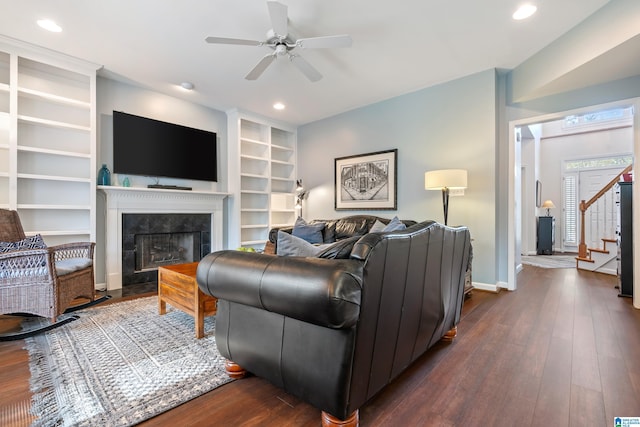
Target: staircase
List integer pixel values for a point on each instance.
(602, 260)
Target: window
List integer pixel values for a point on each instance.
(570, 189)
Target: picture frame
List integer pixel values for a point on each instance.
(366, 181)
(538, 193)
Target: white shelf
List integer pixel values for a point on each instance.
(53, 152)
(281, 225)
(252, 242)
(266, 166)
(52, 178)
(254, 141)
(253, 175)
(282, 147)
(53, 123)
(280, 162)
(253, 226)
(248, 157)
(53, 98)
(52, 156)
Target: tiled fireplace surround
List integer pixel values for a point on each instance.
(129, 200)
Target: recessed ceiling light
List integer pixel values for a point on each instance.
(278, 106)
(524, 11)
(49, 25)
(187, 85)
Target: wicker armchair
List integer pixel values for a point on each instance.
(44, 281)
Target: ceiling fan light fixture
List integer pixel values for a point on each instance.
(524, 11)
(279, 106)
(49, 25)
(187, 85)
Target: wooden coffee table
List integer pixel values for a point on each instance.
(177, 286)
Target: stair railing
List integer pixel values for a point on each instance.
(582, 247)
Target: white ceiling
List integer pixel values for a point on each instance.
(398, 47)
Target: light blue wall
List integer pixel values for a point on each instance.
(452, 125)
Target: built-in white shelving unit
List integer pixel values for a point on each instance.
(262, 158)
(48, 141)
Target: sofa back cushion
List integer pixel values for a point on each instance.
(340, 249)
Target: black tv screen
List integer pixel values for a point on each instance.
(143, 146)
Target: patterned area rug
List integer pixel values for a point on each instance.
(121, 364)
(550, 261)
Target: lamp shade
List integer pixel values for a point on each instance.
(548, 204)
(445, 178)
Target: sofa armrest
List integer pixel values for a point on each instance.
(319, 291)
(273, 233)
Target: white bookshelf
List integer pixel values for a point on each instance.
(48, 141)
(262, 159)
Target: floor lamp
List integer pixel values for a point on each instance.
(445, 180)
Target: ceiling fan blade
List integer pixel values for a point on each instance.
(224, 40)
(325, 42)
(260, 67)
(306, 68)
(278, 14)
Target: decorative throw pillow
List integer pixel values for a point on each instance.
(312, 233)
(289, 245)
(394, 225)
(31, 242)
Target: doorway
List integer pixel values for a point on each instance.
(551, 176)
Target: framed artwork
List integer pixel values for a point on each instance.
(538, 194)
(367, 181)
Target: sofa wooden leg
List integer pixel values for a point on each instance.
(234, 370)
(329, 420)
(451, 334)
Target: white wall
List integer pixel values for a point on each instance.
(113, 95)
(452, 125)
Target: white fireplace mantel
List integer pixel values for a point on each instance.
(121, 200)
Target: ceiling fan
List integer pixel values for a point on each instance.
(283, 44)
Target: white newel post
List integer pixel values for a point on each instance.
(121, 200)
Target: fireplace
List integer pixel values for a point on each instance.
(150, 241)
(122, 201)
(158, 249)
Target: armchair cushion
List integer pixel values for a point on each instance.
(70, 265)
(31, 242)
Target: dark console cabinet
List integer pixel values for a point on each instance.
(546, 235)
(625, 239)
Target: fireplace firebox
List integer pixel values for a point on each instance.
(150, 241)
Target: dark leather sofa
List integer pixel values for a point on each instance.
(334, 332)
(335, 229)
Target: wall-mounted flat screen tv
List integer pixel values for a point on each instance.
(148, 147)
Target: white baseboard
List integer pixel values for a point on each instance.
(486, 287)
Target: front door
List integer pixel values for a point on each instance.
(600, 218)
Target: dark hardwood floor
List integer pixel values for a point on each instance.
(563, 350)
